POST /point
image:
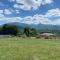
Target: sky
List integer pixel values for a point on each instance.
(30, 11)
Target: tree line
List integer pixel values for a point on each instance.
(10, 29)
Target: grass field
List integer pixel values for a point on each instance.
(29, 49)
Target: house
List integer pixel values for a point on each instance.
(47, 35)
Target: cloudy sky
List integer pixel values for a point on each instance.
(30, 11)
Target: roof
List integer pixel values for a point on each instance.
(48, 34)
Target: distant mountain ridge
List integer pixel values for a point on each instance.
(37, 26)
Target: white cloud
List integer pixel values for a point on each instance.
(28, 20)
(53, 12)
(12, 19)
(7, 11)
(1, 15)
(41, 20)
(1, 11)
(17, 11)
(36, 19)
(47, 2)
(31, 4)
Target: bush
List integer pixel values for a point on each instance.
(48, 37)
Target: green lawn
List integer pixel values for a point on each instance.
(29, 49)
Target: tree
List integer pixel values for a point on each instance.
(0, 30)
(26, 30)
(9, 29)
(30, 31)
(33, 32)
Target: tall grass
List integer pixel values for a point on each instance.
(29, 49)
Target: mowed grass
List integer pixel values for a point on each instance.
(29, 49)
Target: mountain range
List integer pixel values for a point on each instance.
(37, 26)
